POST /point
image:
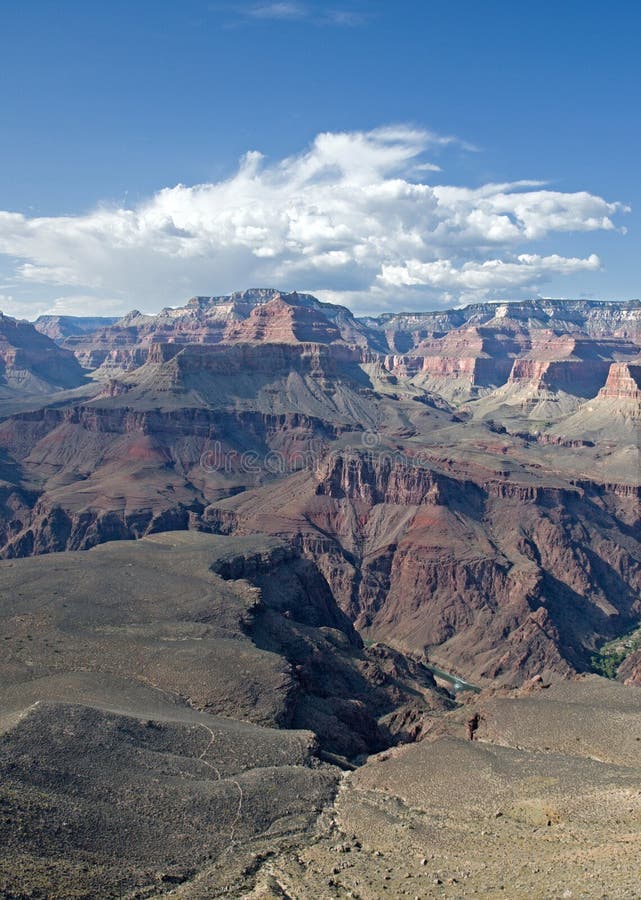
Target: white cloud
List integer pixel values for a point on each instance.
(277, 11)
(427, 167)
(83, 305)
(491, 274)
(345, 17)
(297, 12)
(351, 217)
(6, 301)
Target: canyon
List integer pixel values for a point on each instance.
(466, 481)
(299, 604)
(192, 714)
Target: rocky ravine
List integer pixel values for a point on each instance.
(142, 686)
(157, 701)
(497, 579)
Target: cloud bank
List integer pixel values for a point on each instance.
(353, 218)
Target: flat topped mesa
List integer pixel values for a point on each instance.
(281, 321)
(259, 315)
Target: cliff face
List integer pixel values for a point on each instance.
(498, 535)
(630, 670)
(120, 472)
(623, 382)
(572, 376)
(495, 579)
(249, 358)
(30, 362)
(463, 359)
(574, 365)
(254, 316)
(594, 318)
(473, 360)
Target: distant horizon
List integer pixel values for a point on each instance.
(632, 301)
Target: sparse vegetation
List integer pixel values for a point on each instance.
(607, 660)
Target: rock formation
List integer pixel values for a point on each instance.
(307, 539)
(31, 363)
(239, 317)
(623, 383)
(473, 498)
(494, 578)
(58, 328)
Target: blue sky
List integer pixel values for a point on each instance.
(413, 154)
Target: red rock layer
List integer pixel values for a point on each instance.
(630, 669)
(495, 579)
(577, 377)
(281, 322)
(256, 316)
(623, 383)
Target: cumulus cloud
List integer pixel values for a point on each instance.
(352, 218)
(491, 274)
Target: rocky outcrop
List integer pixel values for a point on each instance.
(31, 363)
(476, 371)
(490, 578)
(630, 669)
(597, 319)
(16, 511)
(612, 418)
(282, 322)
(572, 376)
(53, 529)
(623, 382)
(255, 316)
